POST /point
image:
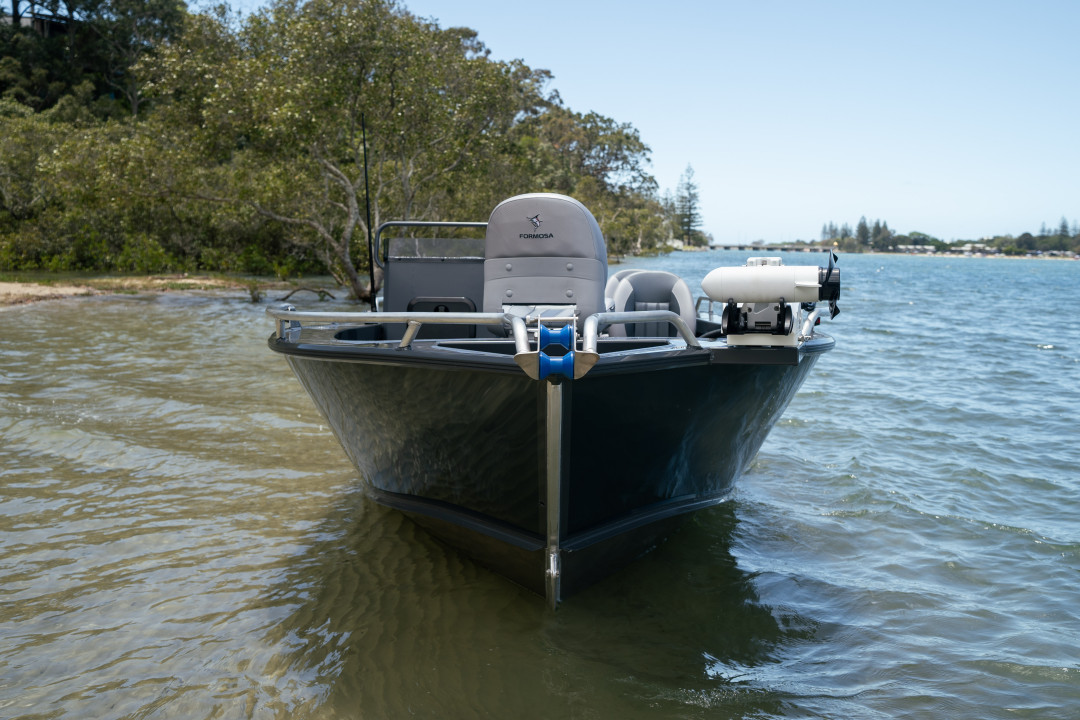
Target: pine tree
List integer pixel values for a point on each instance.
(687, 211)
(862, 231)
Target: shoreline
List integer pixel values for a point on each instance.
(21, 292)
(943, 256)
(18, 293)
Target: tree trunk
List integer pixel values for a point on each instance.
(357, 284)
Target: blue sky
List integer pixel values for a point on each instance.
(958, 119)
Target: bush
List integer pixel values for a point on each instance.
(144, 254)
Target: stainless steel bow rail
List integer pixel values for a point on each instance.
(535, 363)
(289, 318)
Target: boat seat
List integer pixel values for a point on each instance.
(544, 249)
(652, 290)
(612, 283)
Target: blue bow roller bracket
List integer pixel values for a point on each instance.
(564, 338)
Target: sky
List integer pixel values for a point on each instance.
(957, 119)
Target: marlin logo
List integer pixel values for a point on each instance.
(535, 220)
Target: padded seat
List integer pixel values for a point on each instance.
(613, 283)
(544, 249)
(652, 290)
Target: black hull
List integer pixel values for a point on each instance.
(459, 441)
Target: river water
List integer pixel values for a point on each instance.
(182, 537)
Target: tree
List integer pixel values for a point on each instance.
(881, 237)
(862, 232)
(73, 42)
(599, 161)
(284, 111)
(129, 30)
(247, 152)
(24, 138)
(688, 214)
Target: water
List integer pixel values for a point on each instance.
(181, 537)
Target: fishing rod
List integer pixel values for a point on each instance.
(367, 210)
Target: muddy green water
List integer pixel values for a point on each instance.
(181, 536)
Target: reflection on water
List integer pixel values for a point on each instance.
(181, 537)
(385, 595)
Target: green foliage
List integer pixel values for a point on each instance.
(687, 209)
(862, 232)
(284, 114)
(149, 139)
(593, 158)
(84, 52)
(880, 238)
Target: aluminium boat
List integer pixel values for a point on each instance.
(552, 419)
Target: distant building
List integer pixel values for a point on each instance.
(44, 25)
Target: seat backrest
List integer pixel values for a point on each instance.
(544, 249)
(652, 290)
(613, 282)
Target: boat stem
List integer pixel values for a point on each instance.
(554, 465)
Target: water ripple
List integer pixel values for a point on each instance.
(181, 537)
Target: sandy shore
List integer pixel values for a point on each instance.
(16, 293)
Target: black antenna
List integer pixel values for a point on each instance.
(367, 209)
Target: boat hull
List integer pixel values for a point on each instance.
(459, 441)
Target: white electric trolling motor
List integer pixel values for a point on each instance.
(763, 300)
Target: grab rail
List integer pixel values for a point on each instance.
(592, 325)
(288, 316)
(809, 323)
